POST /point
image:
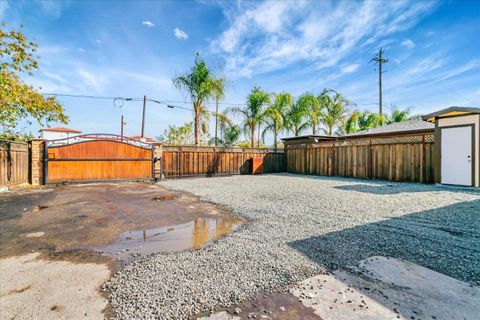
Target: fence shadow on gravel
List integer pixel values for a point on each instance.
(444, 240)
(396, 188)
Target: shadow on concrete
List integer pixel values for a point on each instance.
(445, 240)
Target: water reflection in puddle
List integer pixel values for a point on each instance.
(194, 234)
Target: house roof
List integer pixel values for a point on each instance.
(60, 129)
(448, 112)
(145, 139)
(317, 137)
(409, 126)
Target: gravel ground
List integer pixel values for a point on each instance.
(300, 226)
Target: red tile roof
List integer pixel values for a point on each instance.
(60, 129)
(140, 139)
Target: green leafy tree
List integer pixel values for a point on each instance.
(398, 116)
(18, 100)
(182, 135)
(276, 115)
(334, 109)
(252, 112)
(201, 84)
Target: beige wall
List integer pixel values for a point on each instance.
(470, 119)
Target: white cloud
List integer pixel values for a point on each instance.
(148, 23)
(409, 44)
(80, 50)
(180, 34)
(92, 81)
(98, 41)
(52, 8)
(274, 35)
(350, 68)
(3, 8)
(425, 66)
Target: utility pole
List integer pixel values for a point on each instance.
(380, 60)
(121, 128)
(143, 114)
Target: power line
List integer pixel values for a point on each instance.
(131, 98)
(82, 96)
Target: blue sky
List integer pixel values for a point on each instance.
(129, 49)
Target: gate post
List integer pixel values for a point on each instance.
(157, 154)
(37, 162)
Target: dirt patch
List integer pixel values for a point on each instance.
(277, 305)
(67, 222)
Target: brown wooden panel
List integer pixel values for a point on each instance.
(14, 162)
(60, 171)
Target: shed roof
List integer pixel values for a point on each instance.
(449, 112)
(60, 129)
(409, 126)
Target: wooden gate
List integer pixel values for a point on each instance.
(97, 157)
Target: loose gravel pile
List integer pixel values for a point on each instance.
(300, 226)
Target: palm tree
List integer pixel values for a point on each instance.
(252, 112)
(276, 115)
(229, 131)
(200, 85)
(360, 121)
(219, 94)
(334, 107)
(305, 113)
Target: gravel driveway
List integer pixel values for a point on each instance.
(300, 226)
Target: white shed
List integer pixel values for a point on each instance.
(457, 145)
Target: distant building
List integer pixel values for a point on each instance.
(144, 139)
(55, 133)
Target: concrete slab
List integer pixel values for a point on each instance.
(222, 315)
(32, 288)
(387, 288)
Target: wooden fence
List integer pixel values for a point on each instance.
(14, 162)
(397, 158)
(181, 161)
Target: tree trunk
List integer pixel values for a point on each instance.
(216, 123)
(258, 137)
(197, 124)
(275, 140)
(314, 129)
(252, 136)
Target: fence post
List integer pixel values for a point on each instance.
(158, 154)
(38, 174)
(334, 150)
(370, 160)
(423, 165)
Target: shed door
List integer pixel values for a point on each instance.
(456, 155)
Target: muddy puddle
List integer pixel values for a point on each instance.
(195, 234)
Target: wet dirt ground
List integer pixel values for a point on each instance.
(106, 222)
(77, 236)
